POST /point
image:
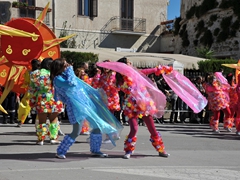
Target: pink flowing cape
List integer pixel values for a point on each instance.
(186, 90)
(224, 83)
(139, 80)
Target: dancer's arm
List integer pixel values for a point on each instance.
(148, 71)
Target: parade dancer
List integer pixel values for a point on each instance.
(83, 102)
(107, 82)
(42, 101)
(237, 121)
(218, 100)
(139, 103)
(233, 99)
(80, 73)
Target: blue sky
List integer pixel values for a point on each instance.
(173, 9)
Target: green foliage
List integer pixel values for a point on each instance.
(198, 35)
(226, 22)
(225, 4)
(234, 4)
(181, 33)
(195, 42)
(213, 65)
(216, 31)
(206, 6)
(191, 12)
(233, 33)
(185, 41)
(64, 33)
(213, 17)
(200, 26)
(70, 43)
(205, 52)
(236, 7)
(77, 58)
(222, 36)
(177, 25)
(207, 39)
(235, 25)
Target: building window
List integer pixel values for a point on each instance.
(28, 12)
(88, 8)
(47, 19)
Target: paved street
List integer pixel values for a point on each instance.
(196, 153)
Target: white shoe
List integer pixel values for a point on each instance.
(60, 133)
(100, 154)
(228, 129)
(85, 133)
(127, 156)
(106, 141)
(216, 131)
(238, 133)
(60, 156)
(52, 141)
(39, 143)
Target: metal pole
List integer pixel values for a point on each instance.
(53, 16)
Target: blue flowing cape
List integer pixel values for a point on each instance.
(84, 102)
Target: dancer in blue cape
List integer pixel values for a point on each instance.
(82, 102)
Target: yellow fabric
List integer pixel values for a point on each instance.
(24, 108)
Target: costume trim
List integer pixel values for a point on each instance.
(157, 142)
(65, 145)
(129, 144)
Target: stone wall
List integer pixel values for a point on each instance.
(228, 48)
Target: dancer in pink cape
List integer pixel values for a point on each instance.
(139, 103)
(143, 100)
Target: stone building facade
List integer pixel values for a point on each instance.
(225, 40)
(130, 24)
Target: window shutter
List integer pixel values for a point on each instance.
(93, 8)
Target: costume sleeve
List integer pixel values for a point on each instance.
(148, 71)
(210, 88)
(59, 82)
(70, 79)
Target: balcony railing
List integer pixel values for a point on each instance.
(136, 25)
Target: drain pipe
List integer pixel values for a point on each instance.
(53, 16)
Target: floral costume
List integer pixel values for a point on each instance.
(41, 91)
(85, 125)
(108, 83)
(131, 109)
(233, 96)
(42, 101)
(237, 122)
(218, 100)
(95, 81)
(138, 103)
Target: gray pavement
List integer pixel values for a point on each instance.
(196, 153)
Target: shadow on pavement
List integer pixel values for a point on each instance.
(201, 130)
(71, 156)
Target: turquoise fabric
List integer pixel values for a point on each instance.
(84, 102)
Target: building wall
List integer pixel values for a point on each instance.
(229, 48)
(97, 32)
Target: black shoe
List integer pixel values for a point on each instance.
(5, 122)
